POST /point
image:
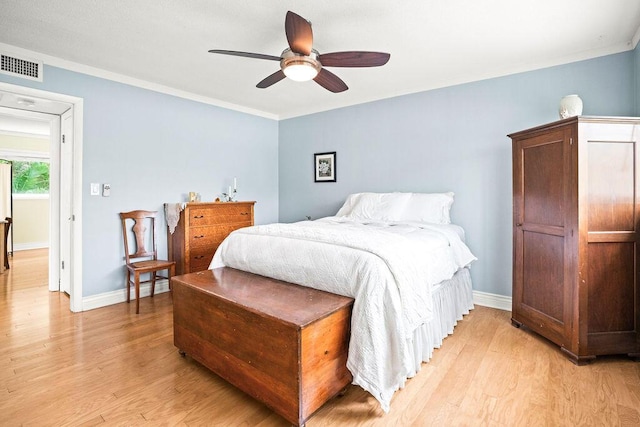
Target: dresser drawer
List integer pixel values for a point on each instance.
(225, 214)
(200, 259)
(207, 236)
(213, 234)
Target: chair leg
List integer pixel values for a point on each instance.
(153, 283)
(6, 252)
(137, 280)
(172, 272)
(128, 285)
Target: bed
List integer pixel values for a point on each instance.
(396, 254)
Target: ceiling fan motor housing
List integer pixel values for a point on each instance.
(308, 65)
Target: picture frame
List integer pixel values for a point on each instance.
(324, 165)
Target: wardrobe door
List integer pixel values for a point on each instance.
(544, 204)
(610, 210)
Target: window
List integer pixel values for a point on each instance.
(30, 177)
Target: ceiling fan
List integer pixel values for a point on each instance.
(300, 62)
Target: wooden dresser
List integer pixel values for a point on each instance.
(576, 213)
(201, 229)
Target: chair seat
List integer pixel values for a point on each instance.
(149, 265)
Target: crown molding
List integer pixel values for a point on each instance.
(121, 78)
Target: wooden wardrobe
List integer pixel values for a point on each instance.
(576, 213)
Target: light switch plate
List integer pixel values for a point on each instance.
(106, 190)
(95, 189)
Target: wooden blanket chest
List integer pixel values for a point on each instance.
(284, 344)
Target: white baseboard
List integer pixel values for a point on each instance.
(119, 296)
(29, 245)
(486, 299)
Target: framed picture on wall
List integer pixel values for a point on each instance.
(325, 167)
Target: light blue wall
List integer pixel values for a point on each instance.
(447, 139)
(450, 139)
(154, 148)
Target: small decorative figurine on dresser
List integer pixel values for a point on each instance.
(231, 195)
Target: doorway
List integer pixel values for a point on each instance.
(24, 179)
(65, 238)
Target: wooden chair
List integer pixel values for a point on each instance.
(142, 224)
(6, 241)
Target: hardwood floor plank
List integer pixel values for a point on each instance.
(629, 416)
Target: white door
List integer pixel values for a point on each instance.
(66, 208)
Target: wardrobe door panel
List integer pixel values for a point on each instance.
(611, 186)
(543, 274)
(611, 292)
(543, 189)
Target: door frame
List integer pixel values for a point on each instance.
(75, 237)
(65, 206)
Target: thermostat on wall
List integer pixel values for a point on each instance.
(106, 190)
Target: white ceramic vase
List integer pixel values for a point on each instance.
(570, 105)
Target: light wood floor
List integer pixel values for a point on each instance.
(111, 367)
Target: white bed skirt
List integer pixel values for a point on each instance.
(452, 299)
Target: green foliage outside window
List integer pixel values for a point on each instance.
(31, 177)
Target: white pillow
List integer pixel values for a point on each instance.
(428, 207)
(348, 204)
(375, 206)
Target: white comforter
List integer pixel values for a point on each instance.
(388, 268)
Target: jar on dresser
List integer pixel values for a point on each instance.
(200, 230)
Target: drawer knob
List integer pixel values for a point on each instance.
(198, 257)
(198, 237)
(198, 216)
(244, 213)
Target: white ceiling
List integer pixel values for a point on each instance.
(433, 43)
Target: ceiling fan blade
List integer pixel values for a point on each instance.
(270, 80)
(330, 81)
(246, 54)
(354, 59)
(299, 34)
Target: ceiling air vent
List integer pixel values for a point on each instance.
(20, 67)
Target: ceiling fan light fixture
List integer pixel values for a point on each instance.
(300, 68)
(301, 72)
